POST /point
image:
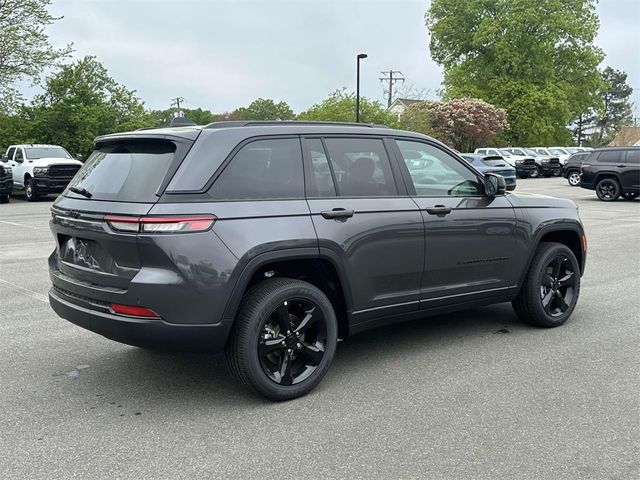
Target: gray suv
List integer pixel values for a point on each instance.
(271, 241)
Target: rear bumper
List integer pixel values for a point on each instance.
(142, 332)
(51, 184)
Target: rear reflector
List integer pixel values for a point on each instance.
(132, 311)
(584, 243)
(198, 223)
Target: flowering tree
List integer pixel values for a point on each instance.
(465, 124)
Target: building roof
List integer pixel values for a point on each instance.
(627, 136)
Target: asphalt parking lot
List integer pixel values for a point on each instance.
(470, 395)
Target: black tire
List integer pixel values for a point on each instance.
(557, 173)
(30, 190)
(286, 370)
(535, 173)
(630, 196)
(523, 175)
(573, 177)
(608, 190)
(541, 300)
(4, 198)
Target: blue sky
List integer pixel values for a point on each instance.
(222, 54)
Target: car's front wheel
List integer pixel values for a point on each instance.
(536, 172)
(30, 190)
(283, 340)
(550, 290)
(608, 190)
(574, 178)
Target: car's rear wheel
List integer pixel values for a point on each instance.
(550, 291)
(283, 340)
(30, 190)
(574, 178)
(630, 196)
(608, 190)
(536, 172)
(4, 198)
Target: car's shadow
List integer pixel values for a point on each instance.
(147, 379)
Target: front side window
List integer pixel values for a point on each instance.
(436, 173)
(10, 153)
(261, 170)
(361, 167)
(321, 181)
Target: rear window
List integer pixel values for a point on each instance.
(494, 162)
(125, 171)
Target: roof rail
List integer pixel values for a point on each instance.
(251, 123)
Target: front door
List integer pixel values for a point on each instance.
(365, 220)
(18, 166)
(470, 237)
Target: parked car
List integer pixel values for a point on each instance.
(545, 166)
(525, 166)
(493, 164)
(612, 172)
(571, 168)
(40, 169)
(271, 240)
(6, 182)
(559, 152)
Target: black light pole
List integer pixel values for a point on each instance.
(360, 57)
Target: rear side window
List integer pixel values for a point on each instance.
(19, 155)
(361, 167)
(633, 157)
(263, 169)
(610, 156)
(127, 171)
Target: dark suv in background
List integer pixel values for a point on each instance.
(571, 168)
(612, 172)
(272, 240)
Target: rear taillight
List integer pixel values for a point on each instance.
(183, 224)
(133, 311)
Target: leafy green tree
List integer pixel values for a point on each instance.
(198, 115)
(340, 106)
(25, 50)
(616, 107)
(265, 109)
(80, 102)
(535, 58)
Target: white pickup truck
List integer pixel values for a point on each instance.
(40, 169)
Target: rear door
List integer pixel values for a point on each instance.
(470, 237)
(365, 220)
(121, 178)
(631, 172)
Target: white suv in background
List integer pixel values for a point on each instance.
(40, 169)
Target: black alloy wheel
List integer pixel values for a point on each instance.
(574, 178)
(283, 339)
(293, 342)
(30, 190)
(557, 288)
(608, 190)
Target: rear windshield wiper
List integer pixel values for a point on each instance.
(81, 191)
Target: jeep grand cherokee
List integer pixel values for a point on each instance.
(272, 240)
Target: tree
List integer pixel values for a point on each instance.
(535, 58)
(465, 124)
(616, 107)
(265, 109)
(80, 102)
(198, 116)
(340, 106)
(25, 50)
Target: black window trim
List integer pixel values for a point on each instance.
(308, 167)
(406, 175)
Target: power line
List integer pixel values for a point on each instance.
(391, 77)
(176, 102)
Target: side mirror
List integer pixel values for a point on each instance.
(79, 157)
(494, 184)
(4, 158)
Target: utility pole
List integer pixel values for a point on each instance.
(176, 102)
(392, 76)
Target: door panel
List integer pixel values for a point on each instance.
(381, 247)
(469, 237)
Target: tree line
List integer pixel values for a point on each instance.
(519, 72)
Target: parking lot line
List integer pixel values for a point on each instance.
(26, 291)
